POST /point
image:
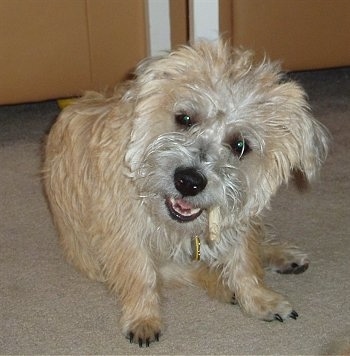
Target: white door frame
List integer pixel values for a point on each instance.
(203, 23)
(204, 19)
(158, 23)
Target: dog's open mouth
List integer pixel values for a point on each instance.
(181, 210)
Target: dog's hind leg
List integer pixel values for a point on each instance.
(210, 279)
(280, 257)
(200, 275)
(77, 248)
(283, 258)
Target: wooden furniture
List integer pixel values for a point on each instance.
(59, 48)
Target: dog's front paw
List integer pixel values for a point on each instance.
(267, 305)
(143, 332)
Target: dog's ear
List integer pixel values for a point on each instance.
(303, 142)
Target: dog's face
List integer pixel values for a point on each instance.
(212, 129)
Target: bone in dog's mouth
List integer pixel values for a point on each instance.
(181, 210)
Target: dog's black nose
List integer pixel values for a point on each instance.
(189, 181)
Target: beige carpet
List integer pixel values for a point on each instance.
(49, 308)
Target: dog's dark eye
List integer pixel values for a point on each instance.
(184, 120)
(240, 147)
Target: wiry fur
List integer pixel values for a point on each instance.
(110, 163)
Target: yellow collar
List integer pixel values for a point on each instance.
(196, 248)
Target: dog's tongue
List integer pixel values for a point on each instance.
(181, 210)
(183, 205)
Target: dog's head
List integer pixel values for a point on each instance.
(213, 129)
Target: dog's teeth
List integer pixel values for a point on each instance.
(181, 210)
(214, 224)
(183, 207)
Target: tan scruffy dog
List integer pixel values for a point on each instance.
(166, 180)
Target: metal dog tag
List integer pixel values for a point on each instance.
(196, 248)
